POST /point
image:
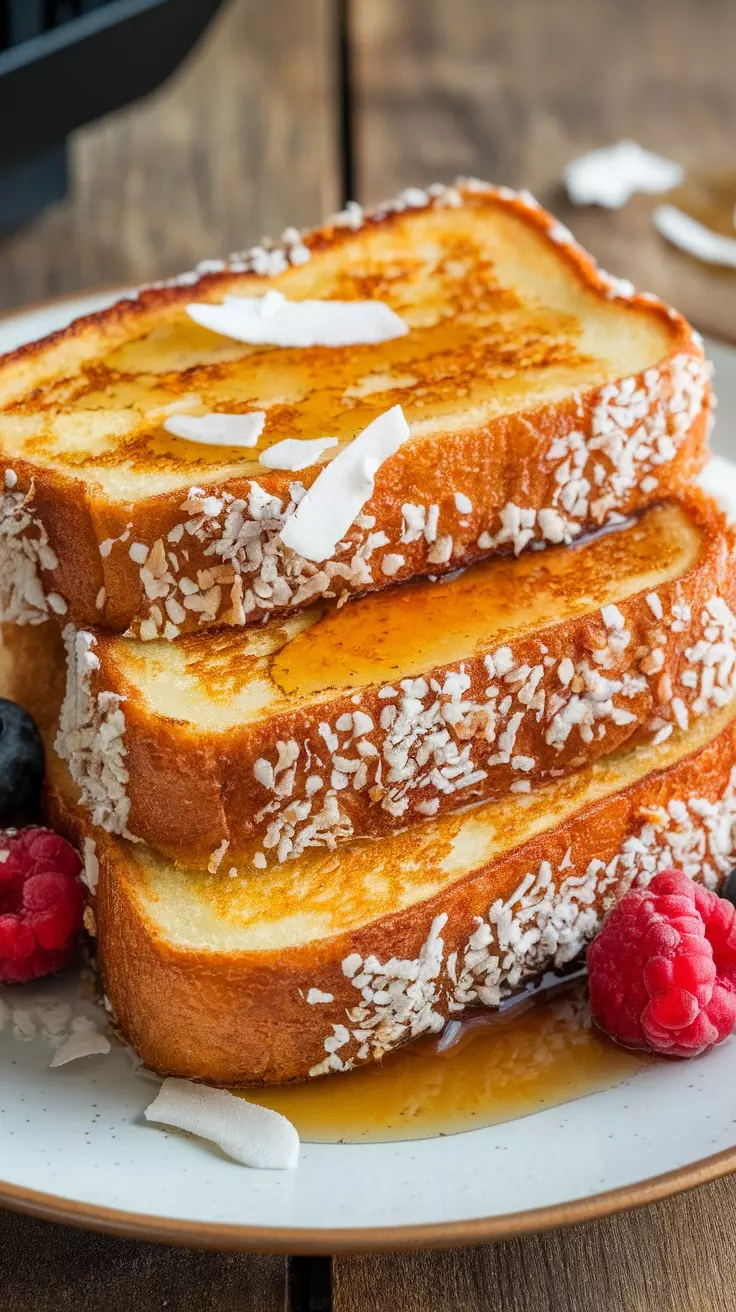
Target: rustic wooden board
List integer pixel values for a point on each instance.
(670, 1257)
(241, 142)
(513, 91)
(48, 1268)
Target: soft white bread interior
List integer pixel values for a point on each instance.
(541, 395)
(331, 961)
(252, 747)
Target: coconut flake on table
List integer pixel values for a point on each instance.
(611, 175)
(342, 488)
(218, 429)
(252, 1135)
(296, 453)
(272, 320)
(692, 236)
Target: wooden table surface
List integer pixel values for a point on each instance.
(248, 137)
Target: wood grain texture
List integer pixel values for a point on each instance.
(48, 1268)
(242, 141)
(677, 1256)
(513, 91)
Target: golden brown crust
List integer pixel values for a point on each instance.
(239, 1018)
(191, 791)
(71, 346)
(507, 463)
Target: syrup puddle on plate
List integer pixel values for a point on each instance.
(537, 1053)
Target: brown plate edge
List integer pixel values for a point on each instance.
(453, 1234)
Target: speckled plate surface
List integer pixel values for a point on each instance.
(74, 1145)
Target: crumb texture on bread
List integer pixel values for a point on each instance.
(542, 397)
(238, 751)
(526, 734)
(235, 981)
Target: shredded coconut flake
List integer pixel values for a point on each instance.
(24, 552)
(544, 925)
(91, 737)
(397, 1002)
(91, 865)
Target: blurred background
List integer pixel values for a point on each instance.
(141, 135)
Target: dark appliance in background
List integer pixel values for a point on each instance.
(66, 62)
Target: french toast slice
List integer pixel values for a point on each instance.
(542, 397)
(246, 749)
(237, 982)
(290, 973)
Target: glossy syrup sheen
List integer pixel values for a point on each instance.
(418, 626)
(234, 677)
(539, 1053)
(473, 338)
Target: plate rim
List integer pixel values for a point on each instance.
(301, 1241)
(69, 298)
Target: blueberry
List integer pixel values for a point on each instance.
(21, 765)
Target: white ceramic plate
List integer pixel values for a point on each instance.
(74, 1145)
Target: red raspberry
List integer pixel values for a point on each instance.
(662, 970)
(41, 904)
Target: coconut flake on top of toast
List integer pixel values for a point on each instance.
(544, 391)
(271, 320)
(338, 494)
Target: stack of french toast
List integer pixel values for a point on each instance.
(378, 636)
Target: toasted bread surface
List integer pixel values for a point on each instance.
(261, 979)
(542, 397)
(331, 963)
(336, 724)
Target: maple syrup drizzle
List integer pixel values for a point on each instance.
(429, 624)
(540, 1052)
